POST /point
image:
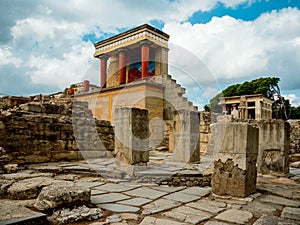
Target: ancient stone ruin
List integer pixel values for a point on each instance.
(37, 133)
(134, 150)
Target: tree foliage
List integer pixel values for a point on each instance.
(295, 112)
(266, 86)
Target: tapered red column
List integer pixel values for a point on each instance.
(145, 48)
(122, 65)
(103, 70)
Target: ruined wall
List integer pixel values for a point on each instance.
(50, 132)
(274, 145)
(295, 140)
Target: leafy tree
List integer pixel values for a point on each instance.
(206, 108)
(295, 112)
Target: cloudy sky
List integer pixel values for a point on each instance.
(47, 45)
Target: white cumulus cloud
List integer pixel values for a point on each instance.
(236, 50)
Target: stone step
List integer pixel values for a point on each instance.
(174, 93)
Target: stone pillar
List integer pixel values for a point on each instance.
(131, 136)
(103, 70)
(235, 112)
(122, 65)
(86, 85)
(224, 110)
(145, 50)
(236, 148)
(274, 146)
(164, 61)
(186, 136)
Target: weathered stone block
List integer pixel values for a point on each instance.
(131, 135)
(186, 136)
(31, 107)
(64, 155)
(274, 145)
(61, 194)
(236, 148)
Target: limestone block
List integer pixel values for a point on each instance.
(235, 138)
(31, 107)
(205, 128)
(64, 155)
(38, 156)
(274, 145)
(131, 135)
(204, 137)
(235, 146)
(28, 188)
(61, 194)
(186, 136)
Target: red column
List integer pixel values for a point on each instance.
(122, 65)
(103, 70)
(145, 47)
(86, 85)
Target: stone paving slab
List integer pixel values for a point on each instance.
(112, 187)
(292, 191)
(279, 200)
(168, 189)
(235, 216)
(97, 192)
(146, 192)
(182, 197)
(206, 206)
(108, 198)
(217, 223)
(135, 201)
(159, 206)
(156, 221)
(11, 210)
(188, 215)
(155, 172)
(119, 208)
(291, 213)
(266, 220)
(199, 191)
(259, 208)
(89, 184)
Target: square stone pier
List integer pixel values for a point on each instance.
(186, 136)
(236, 148)
(131, 136)
(274, 146)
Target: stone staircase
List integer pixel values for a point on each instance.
(174, 94)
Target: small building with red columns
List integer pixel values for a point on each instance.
(134, 73)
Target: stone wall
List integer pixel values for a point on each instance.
(37, 133)
(295, 140)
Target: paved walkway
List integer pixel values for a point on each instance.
(129, 201)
